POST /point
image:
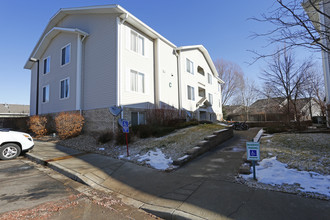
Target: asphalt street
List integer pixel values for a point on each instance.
(32, 191)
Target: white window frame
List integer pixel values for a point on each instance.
(45, 99)
(191, 93)
(61, 57)
(210, 98)
(68, 96)
(189, 66)
(138, 117)
(47, 59)
(139, 42)
(137, 76)
(209, 78)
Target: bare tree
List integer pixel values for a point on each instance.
(233, 77)
(285, 77)
(294, 27)
(314, 88)
(247, 95)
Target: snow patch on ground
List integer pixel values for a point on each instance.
(270, 171)
(184, 157)
(156, 159)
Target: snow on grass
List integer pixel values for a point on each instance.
(306, 152)
(156, 159)
(270, 171)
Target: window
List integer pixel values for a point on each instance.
(190, 66)
(138, 118)
(46, 65)
(137, 43)
(137, 82)
(201, 92)
(65, 88)
(210, 98)
(200, 70)
(65, 57)
(209, 78)
(45, 94)
(191, 93)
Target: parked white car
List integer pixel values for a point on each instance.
(13, 143)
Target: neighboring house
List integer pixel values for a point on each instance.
(90, 58)
(12, 110)
(322, 24)
(270, 109)
(274, 109)
(234, 112)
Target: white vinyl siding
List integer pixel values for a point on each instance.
(66, 54)
(219, 87)
(65, 88)
(46, 65)
(45, 94)
(190, 66)
(191, 93)
(137, 82)
(137, 43)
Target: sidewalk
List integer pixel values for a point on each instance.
(203, 189)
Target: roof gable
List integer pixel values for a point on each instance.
(206, 55)
(103, 9)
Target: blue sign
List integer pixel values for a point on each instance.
(253, 150)
(125, 126)
(253, 153)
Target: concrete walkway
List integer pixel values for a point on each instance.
(205, 188)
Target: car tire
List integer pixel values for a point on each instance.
(9, 151)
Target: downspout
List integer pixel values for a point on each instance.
(118, 57)
(326, 66)
(156, 74)
(177, 54)
(80, 39)
(37, 96)
(37, 87)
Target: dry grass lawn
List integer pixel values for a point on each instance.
(303, 151)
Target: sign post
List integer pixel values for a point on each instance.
(125, 125)
(253, 154)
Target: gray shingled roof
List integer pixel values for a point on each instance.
(271, 105)
(13, 108)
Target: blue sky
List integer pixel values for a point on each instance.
(221, 26)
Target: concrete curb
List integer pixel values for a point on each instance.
(169, 213)
(160, 211)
